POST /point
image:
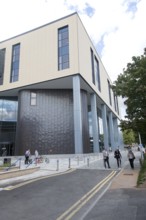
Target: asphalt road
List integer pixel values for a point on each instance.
(82, 194)
(55, 198)
(120, 204)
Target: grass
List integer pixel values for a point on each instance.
(142, 173)
(4, 166)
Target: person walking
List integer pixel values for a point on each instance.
(131, 158)
(27, 155)
(106, 158)
(118, 156)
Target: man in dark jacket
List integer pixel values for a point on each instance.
(118, 156)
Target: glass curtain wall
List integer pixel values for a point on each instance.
(100, 126)
(8, 118)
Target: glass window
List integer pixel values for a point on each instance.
(63, 48)
(15, 63)
(8, 110)
(92, 66)
(97, 74)
(2, 64)
(109, 90)
(116, 104)
(33, 98)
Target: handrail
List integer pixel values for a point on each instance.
(13, 164)
(30, 163)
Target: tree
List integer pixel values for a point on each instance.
(128, 137)
(131, 85)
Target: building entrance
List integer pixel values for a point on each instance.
(6, 149)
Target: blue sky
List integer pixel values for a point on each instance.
(116, 27)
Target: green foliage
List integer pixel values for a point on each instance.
(128, 137)
(142, 174)
(131, 85)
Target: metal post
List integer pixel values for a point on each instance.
(69, 163)
(20, 163)
(88, 162)
(140, 146)
(57, 165)
(78, 160)
(139, 138)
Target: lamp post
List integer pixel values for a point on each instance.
(140, 146)
(139, 138)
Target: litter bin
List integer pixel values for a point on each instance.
(7, 161)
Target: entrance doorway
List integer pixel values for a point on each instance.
(6, 149)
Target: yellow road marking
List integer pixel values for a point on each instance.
(80, 203)
(36, 179)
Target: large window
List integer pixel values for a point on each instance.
(92, 66)
(97, 74)
(2, 64)
(116, 104)
(33, 98)
(15, 63)
(8, 110)
(63, 48)
(109, 90)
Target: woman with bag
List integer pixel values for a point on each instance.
(131, 158)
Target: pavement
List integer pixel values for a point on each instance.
(121, 200)
(54, 164)
(127, 178)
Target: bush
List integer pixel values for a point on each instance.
(142, 173)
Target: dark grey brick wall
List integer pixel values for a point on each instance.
(49, 126)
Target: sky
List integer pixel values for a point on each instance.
(114, 26)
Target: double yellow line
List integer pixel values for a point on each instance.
(81, 202)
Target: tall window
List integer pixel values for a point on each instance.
(109, 91)
(2, 64)
(97, 74)
(15, 63)
(92, 66)
(116, 104)
(33, 98)
(63, 48)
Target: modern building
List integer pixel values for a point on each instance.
(55, 94)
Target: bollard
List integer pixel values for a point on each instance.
(57, 165)
(20, 163)
(78, 161)
(69, 163)
(36, 161)
(88, 162)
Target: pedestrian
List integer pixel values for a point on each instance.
(106, 158)
(131, 158)
(118, 156)
(27, 155)
(110, 149)
(36, 156)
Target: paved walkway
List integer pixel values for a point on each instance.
(55, 164)
(122, 201)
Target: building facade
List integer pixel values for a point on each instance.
(55, 94)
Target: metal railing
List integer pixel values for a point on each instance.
(13, 164)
